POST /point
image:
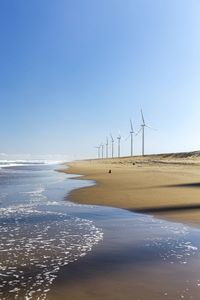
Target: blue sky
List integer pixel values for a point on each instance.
(73, 71)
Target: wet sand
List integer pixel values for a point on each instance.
(167, 186)
(132, 264)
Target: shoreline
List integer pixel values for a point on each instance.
(166, 187)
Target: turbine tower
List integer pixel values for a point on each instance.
(107, 147)
(143, 125)
(98, 149)
(119, 144)
(102, 150)
(112, 143)
(131, 133)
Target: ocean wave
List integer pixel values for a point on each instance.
(16, 163)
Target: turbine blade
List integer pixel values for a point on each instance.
(131, 125)
(127, 137)
(138, 131)
(111, 137)
(150, 127)
(142, 117)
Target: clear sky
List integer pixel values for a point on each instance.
(72, 71)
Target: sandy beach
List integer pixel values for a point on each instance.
(163, 185)
(124, 266)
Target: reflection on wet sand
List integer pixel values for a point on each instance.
(140, 258)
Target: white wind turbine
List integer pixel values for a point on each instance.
(143, 125)
(98, 150)
(112, 145)
(107, 147)
(119, 144)
(131, 134)
(102, 150)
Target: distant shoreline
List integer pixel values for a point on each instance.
(164, 185)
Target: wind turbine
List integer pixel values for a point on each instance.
(119, 144)
(98, 147)
(102, 150)
(143, 125)
(112, 141)
(131, 133)
(107, 147)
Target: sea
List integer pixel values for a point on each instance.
(42, 232)
(38, 234)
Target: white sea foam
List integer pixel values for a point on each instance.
(31, 256)
(38, 237)
(171, 241)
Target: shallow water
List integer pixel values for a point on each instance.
(38, 233)
(140, 258)
(41, 233)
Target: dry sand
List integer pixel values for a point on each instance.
(167, 186)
